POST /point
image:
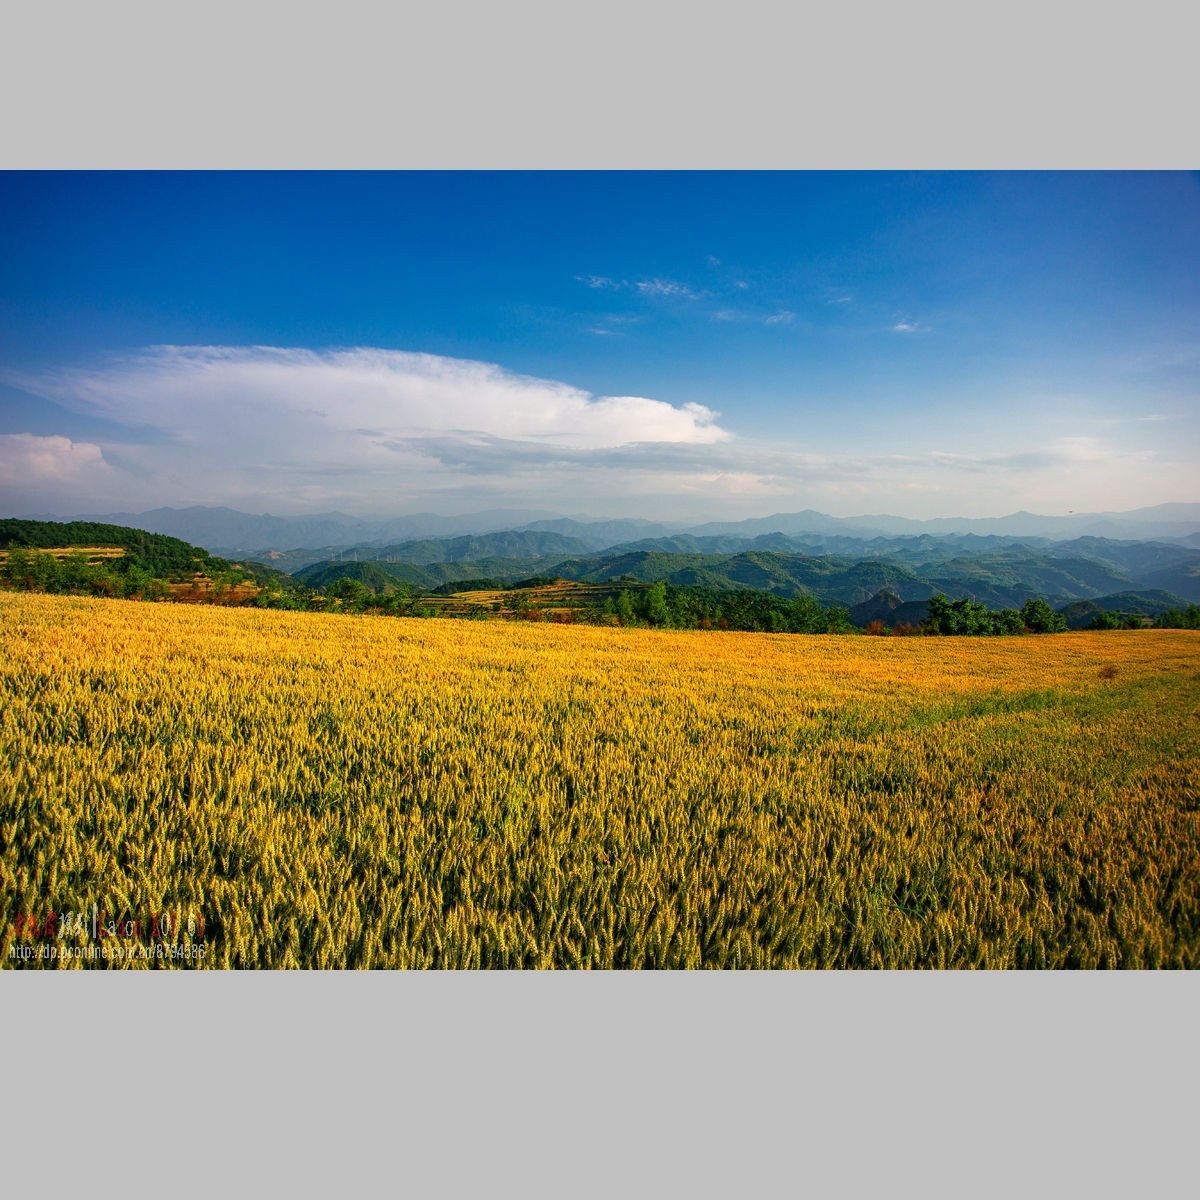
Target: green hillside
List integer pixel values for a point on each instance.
(996, 571)
(162, 556)
(1183, 580)
(524, 544)
(833, 580)
(1081, 613)
(1011, 578)
(416, 576)
(376, 576)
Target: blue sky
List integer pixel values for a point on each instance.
(651, 344)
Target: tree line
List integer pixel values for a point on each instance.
(966, 616)
(670, 606)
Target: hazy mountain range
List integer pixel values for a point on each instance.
(1151, 553)
(244, 533)
(228, 532)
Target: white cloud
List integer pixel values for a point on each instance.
(40, 474)
(219, 424)
(668, 288)
(316, 399)
(656, 288)
(316, 402)
(909, 327)
(28, 459)
(735, 484)
(782, 317)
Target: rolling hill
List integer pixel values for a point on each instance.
(510, 543)
(991, 570)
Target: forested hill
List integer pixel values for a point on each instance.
(155, 553)
(834, 580)
(509, 543)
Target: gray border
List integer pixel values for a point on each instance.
(604, 1084)
(627, 84)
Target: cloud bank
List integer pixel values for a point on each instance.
(360, 426)
(346, 395)
(379, 431)
(29, 460)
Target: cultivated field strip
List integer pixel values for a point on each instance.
(328, 791)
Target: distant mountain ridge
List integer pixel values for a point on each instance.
(509, 543)
(1160, 520)
(221, 530)
(244, 533)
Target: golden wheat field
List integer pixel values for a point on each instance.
(327, 791)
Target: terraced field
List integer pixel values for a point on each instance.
(297, 789)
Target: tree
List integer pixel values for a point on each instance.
(625, 613)
(805, 615)
(967, 616)
(1008, 621)
(837, 620)
(937, 616)
(657, 612)
(353, 593)
(18, 568)
(137, 582)
(1039, 617)
(1174, 618)
(76, 572)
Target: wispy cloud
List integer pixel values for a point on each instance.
(600, 281)
(909, 327)
(657, 287)
(613, 324)
(782, 317)
(666, 288)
